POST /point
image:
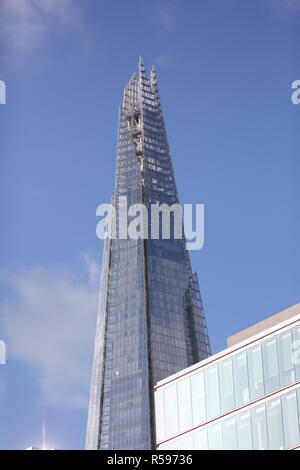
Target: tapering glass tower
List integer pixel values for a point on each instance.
(150, 317)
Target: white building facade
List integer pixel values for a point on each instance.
(245, 397)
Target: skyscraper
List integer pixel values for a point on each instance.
(150, 317)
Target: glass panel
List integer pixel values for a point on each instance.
(290, 420)
(256, 376)
(259, 428)
(215, 437)
(212, 392)
(160, 415)
(226, 385)
(244, 431)
(200, 440)
(198, 398)
(186, 443)
(171, 411)
(270, 362)
(229, 436)
(170, 445)
(274, 420)
(240, 372)
(298, 400)
(296, 350)
(285, 354)
(184, 404)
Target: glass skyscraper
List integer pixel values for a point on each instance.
(150, 317)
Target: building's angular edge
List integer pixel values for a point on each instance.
(92, 434)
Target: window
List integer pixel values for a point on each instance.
(296, 350)
(226, 386)
(240, 379)
(212, 392)
(171, 410)
(298, 400)
(274, 422)
(256, 376)
(184, 404)
(270, 362)
(186, 443)
(229, 436)
(244, 431)
(290, 420)
(200, 440)
(160, 415)
(215, 437)
(198, 398)
(259, 428)
(285, 354)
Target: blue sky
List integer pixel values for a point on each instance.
(225, 71)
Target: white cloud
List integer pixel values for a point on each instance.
(49, 326)
(25, 23)
(167, 19)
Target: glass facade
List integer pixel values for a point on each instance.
(248, 398)
(150, 318)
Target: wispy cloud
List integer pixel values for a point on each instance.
(26, 23)
(167, 18)
(49, 326)
(292, 5)
(162, 59)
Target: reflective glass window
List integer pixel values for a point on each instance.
(184, 404)
(290, 420)
(171, 410)
(160, 415)
(274, 422)
(259, 428)
(270, 362)
(229, 436)
(244, 431)
(215, 437)
(212, 392)
(240, 373)
(285, 355)
(298, 400)
(198, 398)
(256, 375)
(185, 443)
(296, 350)
(226, 385)
(200, 440)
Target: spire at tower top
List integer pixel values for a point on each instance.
(141, 65)
(142, 70)
(153, 74)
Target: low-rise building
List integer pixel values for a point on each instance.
(245, 397)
